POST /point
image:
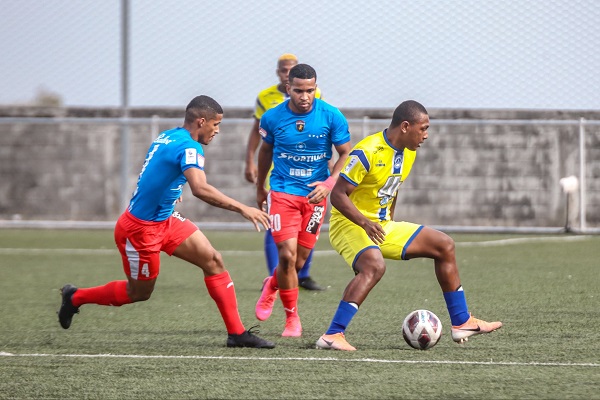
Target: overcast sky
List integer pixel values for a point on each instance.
(530, 54)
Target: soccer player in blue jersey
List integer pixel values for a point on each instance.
(150, 225)
(361, 228)
(267, 99)
(298, 136)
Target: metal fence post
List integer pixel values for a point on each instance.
(582, 189)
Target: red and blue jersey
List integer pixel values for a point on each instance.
(161, 180)
(302, 144)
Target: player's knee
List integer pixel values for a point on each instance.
(142, 297)
(139, 295)
(215, 263)
(447, 246)
(373, 271)
(287, 258)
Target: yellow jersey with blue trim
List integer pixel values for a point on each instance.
(377, 170)
(271, 97)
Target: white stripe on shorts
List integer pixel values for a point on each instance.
(134, 259)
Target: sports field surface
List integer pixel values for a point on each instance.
(546, 290)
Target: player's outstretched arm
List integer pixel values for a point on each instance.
(340, 199)
(322, 189)
(211, 195)
(250, 171)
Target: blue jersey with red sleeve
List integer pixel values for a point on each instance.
(302, 144)
(161, 180)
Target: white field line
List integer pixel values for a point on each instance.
(543, 239)
(308, 359)
(488, 243)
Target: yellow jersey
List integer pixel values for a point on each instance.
(377, 170)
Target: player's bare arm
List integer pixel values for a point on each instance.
(265, 158)
(340, 199)
(211, 195)
(322, 189)
(250, 171)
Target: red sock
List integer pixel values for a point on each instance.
(220, 287)
(112, 294)
(273, 283)
(289, 298)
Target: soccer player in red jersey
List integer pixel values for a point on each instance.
(150, 225)
(298, 136)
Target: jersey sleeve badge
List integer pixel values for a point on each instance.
(191, 156)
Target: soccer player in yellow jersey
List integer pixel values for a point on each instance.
(361, 228)
(267, 99)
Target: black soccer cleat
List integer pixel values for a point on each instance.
(308, 283)
(67, 309)
(249, 339)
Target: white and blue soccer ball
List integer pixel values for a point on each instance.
(422, 329)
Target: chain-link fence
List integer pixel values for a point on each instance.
(471, 174)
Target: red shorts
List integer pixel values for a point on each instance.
(140, 242)
(294, 217)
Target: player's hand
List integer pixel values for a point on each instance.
(375, 232)
(319, 192)
(250, 172)
(257, 217)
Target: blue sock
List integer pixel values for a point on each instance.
(271, 253)
(342, 317)
(305, 271)
(457, 306)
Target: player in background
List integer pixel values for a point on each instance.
(267, 99)
(361, 228)
(150, 225)
(298, 136)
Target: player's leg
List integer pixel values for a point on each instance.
(305, 281)
(271, 254)
(368, 264)
(139, 262)
(312, 220)
(188, 243)
(431, 243)
(286, 213)
(287, 279)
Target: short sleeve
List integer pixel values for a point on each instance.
(340, 132)
(192, 158)
(356, 167)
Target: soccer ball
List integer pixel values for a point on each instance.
(422, 329)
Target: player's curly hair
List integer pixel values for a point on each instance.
(202, 107)
(302, 71)
(408, 110)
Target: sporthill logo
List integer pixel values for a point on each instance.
(177, 215)
(300, 125)
(315, 219)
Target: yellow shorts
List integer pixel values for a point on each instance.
(350, 240)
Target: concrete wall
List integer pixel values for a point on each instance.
(466, 174)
